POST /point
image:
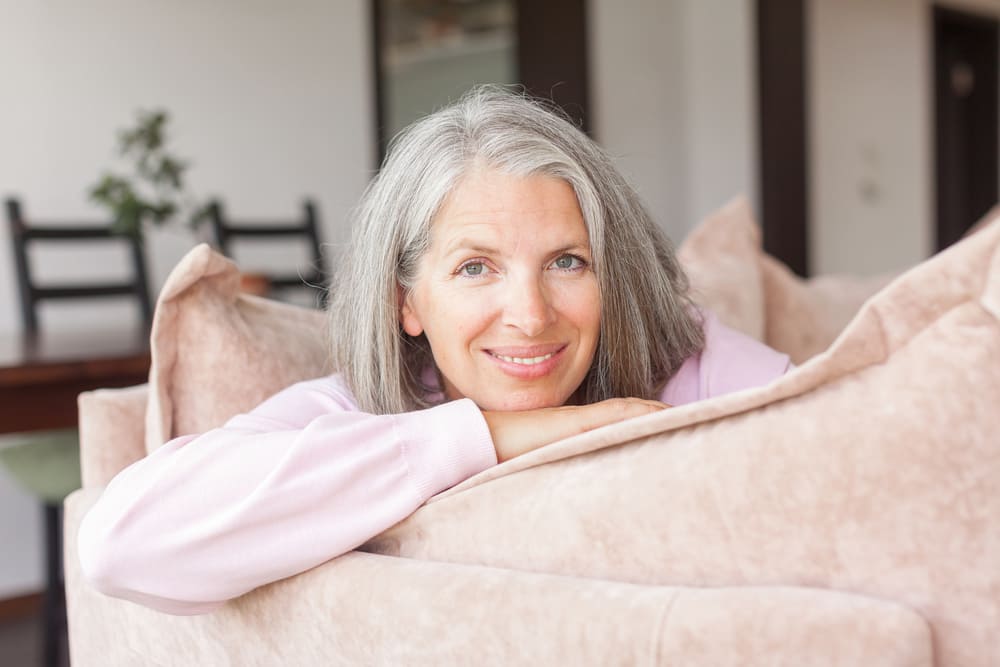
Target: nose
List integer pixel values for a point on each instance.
(528, 307)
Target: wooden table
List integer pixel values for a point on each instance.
(41, 377)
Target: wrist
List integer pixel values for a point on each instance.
(504, 444)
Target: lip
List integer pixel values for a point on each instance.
(522, 371)
(526, 351)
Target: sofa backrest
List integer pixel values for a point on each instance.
(112, 429)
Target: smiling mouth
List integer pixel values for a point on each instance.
(524, 361)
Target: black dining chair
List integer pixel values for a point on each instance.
(228, 232)
(32, 292)
(47, 463)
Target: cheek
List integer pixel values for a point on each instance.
(581, 305)
(457, 316)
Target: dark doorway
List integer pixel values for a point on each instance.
(965, 105)
(552, 54)
(782, 112)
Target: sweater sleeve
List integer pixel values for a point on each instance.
(301, 479)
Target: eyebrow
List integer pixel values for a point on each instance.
(469, 244)
(476, 246)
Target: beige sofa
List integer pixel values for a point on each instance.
(847, 514)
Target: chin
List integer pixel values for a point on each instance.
(515, 403)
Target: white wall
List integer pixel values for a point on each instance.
(870, 128)
(871, 134)
(720, 119)
(673, 99)
(637, 100)
(271, 101)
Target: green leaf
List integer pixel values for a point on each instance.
(128, 215)
(110, 189)
(155, 170)
(170, 171)
(162, 211)
(147, 136)
(199, 216)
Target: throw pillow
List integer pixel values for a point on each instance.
(217, 352)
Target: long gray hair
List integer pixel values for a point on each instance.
(648, 324)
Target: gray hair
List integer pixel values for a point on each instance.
(648, 325)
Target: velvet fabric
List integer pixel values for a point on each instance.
(751, 291)
(111, 432)
(803, 317)
(217, 352)
(721, 259)
(873, 468)
(365, 609)
(846, 514)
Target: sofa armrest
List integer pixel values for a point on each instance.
(367, 609)
(112, 432)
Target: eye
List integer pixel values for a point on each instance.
(473, 269)
(569, 263)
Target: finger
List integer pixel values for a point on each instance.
(658, 405)
(636, 407)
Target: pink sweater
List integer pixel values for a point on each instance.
(305, 477)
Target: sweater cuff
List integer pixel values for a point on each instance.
(445, 445)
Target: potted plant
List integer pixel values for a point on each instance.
(154, 191)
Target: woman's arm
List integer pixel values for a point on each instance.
(299, 480)
(516, 433)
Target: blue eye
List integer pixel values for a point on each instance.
(569, 263)
(473, 269)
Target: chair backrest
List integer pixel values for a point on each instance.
(31, 293)
(227, 231)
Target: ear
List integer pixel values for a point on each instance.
(407, 314)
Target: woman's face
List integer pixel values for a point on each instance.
(506, 293)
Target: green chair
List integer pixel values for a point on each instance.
(47, 463)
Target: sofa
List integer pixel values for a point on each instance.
(846, 514)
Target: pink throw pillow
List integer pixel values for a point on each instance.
(217, 352)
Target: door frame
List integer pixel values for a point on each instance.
(782, 113)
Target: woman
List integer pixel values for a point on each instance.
(505, 289)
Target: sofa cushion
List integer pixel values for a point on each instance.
(872, 468)
(364, 609)
(112, 431)
(217, 352)
(802, 317)
(720, 257)
(755, 293)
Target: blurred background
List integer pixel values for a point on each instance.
(864, 132)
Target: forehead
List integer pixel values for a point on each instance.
(488, 202)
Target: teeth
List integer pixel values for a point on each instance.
(525, 361)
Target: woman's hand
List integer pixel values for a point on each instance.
(516, 433)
